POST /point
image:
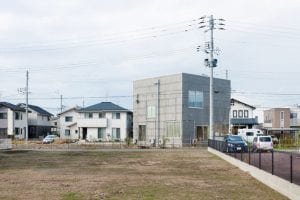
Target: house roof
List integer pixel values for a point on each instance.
(36, 109)
(12, 106)
(235, 100)
(74, 108)
(103, 106)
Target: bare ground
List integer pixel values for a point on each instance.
(159, 174)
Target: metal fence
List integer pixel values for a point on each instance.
(85, 145)
(282, 164)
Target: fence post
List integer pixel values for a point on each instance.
(259, 162)
(291, 168)
(249, 157)
(272, 162)
(242, 155)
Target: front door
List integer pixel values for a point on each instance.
(201, 133)
(84, 133)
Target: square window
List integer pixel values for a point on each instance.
(116, 116)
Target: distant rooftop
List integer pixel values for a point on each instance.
(12, 106)
(103, 106)
(36, 109)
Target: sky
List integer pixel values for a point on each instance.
(91, 51)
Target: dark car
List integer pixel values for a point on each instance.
(235, 143)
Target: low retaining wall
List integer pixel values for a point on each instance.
(284, 187)
(5, 144)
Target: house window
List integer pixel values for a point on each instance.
(101, 133)
(101, 115)
(88, 115)
(17, 115)
(195, 99)
(68, 119)
(151, 111)
(234, 114)
(67, 132)
(55, 123)
(3, 131)
(116, 133)
(246, 113)
(173, 129)
(116, 115)
(292, 116)
(3, 115)
(282, 115)
(76, 131)
(240, 113)
(17, 131)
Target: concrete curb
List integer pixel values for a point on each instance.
(284, 187)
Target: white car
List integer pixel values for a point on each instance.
(262, 143)
(49, 139)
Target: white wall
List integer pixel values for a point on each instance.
(63, 125)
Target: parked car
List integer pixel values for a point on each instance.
(49, 139)
(249, 134)
(235, 143)
(262, 143)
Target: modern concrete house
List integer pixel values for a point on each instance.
(241, 116)
(104, 121)
(12, 121)
(174, 109)
(39, 124)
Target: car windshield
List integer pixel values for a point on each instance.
(235, 138)
(265, 139)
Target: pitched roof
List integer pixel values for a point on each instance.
(12, 106)
(36, 109)
(70, 109)
(103, 106)
(235, 100)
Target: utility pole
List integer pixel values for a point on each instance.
(158, 112)
(61, 105)
(211, 63)
(26, 134)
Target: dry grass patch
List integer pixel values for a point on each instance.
(160, 174)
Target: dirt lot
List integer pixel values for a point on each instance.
(139, 174)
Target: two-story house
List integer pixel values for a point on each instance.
(66, 124)
(104, 121)
(282, 122)
(241, 116)
(12, 121)
(39, 124)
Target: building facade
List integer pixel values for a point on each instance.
(105, 122)
(12, 121)
(241, 116)
(39, 124)
(174, 109)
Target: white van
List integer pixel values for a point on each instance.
(249, 134)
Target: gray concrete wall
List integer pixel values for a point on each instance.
(174, 110)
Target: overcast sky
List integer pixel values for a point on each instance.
(91, 50)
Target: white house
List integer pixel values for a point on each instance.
(67, 124)
(241, 116)
(12, 121)
(104, 122)
(39, 124)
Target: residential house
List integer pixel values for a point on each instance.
(39, 124)
(12, 121)
(66, 124)
(104, 121)
(282, 122)
(174, 109)
(241, 116)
